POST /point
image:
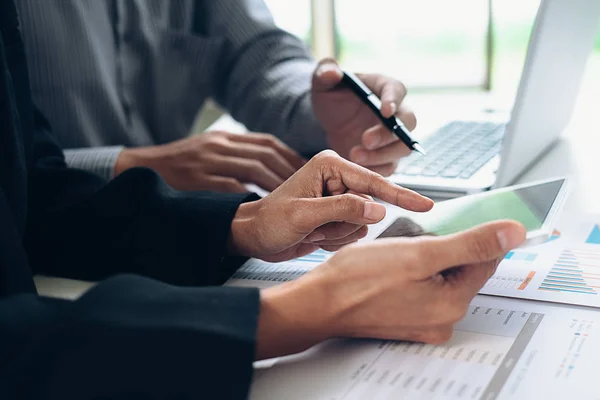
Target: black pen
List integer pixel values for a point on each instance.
(370, 99)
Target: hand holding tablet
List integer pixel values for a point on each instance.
(535, 205)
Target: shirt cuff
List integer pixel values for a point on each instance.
(99, 160)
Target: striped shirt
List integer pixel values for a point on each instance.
(114, 73)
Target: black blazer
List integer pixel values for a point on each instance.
(130, 336)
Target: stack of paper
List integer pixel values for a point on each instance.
(504, 348)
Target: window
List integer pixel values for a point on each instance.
(293, 16)
(427, 44)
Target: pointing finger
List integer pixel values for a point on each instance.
(361, 180)
(333, 231)
(310, 214)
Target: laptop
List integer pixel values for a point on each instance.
(470, 156)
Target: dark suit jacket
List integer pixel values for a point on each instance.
(130, 336)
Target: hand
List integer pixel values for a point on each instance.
(404, 289)
(217, 161)
(325, 204)
(351, 127)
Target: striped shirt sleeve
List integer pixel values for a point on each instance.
(99, 160)
(267, 75)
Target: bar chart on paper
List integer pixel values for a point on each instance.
(565, 269)
(261, 273)
(575, 271)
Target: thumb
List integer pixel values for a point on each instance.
(341, 208)
(481, 244)
(327, 76)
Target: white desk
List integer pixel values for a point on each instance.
(578, 153)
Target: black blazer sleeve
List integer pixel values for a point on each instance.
(129, 338)
(81, 227)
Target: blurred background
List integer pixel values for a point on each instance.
(430, 45)
(438, 49)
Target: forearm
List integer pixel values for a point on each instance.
(134, 224)
(131, 336)
(295, 316)
(98, 160)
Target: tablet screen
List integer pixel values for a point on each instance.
(529, 205)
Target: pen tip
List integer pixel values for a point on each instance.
(418, 148)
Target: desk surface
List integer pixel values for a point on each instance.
(576, 154)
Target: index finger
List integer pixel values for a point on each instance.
(262, 139)
(362, 180)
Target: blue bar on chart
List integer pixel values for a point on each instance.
(519, 256)
(317, 257)
(258, 270)
(575, 271)
(594, 237)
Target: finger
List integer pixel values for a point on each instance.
(333, 231)
(333, 249)
(364, 196)
(222, 184)
(316, 212)
(407, 116)
(478, 245)
(437, 335)
(377, 136)
(426, 257)
(327, 76)
(382, 155)
(351, 238)
(262, 139)
(246, 171)
(380, 136)
(389, 90)
(469, 279)
(362, 180)
(267, 155)
(433, 335)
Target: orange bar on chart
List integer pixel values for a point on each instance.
(526, 281)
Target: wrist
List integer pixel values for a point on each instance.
(137, 157)
(293, 317)
(243, 230)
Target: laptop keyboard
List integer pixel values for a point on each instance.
(457, 150)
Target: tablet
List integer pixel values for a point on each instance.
(536, 205)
